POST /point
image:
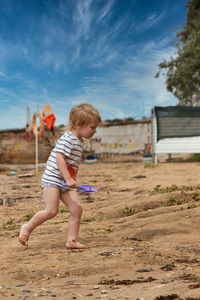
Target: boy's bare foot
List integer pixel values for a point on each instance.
(24, 235)
(75, 245)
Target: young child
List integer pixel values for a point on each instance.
(65, 158)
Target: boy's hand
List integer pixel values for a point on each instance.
(71, 183)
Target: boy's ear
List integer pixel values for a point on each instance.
(77, 124)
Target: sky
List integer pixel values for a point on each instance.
(103, 52)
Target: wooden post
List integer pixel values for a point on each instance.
(36, 144)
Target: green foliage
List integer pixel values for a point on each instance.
(195, 157)
(173, 201)
(128, 211)
(9, 225)
(160, 190)
(29, 216)
(63, 209)
(191, 206)
(183, 71)
(88, 219)
(150, 165)
(104, 229)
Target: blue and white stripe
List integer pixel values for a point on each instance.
(71, 147)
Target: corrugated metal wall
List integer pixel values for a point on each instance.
(173, 145)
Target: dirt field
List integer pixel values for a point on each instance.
(142, 228)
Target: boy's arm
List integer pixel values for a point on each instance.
(60, 160)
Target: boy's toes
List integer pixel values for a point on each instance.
(23, 236)
(23, 240)
(75, 245)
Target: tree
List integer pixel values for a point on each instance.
(183, 71)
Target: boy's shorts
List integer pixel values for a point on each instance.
(61, 189)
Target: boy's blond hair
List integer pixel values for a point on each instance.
(83, 114)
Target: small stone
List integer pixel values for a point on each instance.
(144, 270)
(89, 295)
(167, 281)
(26, 291)
(70, 281)
(54, 295)
(20, 284)
(104, 292)
(95, 287)
(114, 288)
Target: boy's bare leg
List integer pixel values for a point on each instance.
(71, 200)
(51, 198)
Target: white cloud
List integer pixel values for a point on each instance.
(103, 13)
(151, 20)
(131, 88)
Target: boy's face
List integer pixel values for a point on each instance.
(87, 131)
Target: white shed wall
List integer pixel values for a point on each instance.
(122, 139)
(173, 145)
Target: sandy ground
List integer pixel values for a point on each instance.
(142, 228)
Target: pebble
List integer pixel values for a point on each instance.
(167, 281)
(70, 281)
(95, 287)
(26, 291)
(144, 270)
(89, 295)
(20, 284)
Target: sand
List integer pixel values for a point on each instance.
(142, 228)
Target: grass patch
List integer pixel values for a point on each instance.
(158, 189)
(88, 219)
(29, 216)
(191, 206)
(104, 229)
(63, 209)
(9, 225)
(174, 201)
(150, 165)
(128, 211)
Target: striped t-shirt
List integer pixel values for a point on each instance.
(71, 147)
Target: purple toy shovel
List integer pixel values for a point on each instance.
(85, 188)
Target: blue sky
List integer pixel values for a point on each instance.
(104, 52)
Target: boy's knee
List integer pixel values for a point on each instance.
(52, 213)
(78, 211)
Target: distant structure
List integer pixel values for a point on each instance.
(28, 119)
(175, 129)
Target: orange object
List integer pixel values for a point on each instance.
(71, 171)
(49, 116)
(34, 128)
(50, 120)
(46, 109)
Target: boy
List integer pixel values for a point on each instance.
(65, 158)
